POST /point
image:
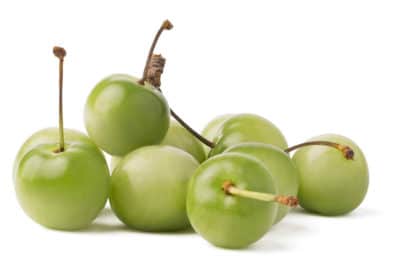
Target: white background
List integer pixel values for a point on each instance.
(311, 67)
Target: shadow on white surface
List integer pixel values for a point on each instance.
(107, 222)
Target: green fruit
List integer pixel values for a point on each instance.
(49, 136)
(122, 115)
(226, 220)
(279, 165)
(62, 190)
(247, 128)
(211, 130)
(149, 187)
(330, 184)
(178, 137)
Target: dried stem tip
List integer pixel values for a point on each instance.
(59, 52)
(167, 25)
(290, 201)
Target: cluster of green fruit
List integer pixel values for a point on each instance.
(231, 183)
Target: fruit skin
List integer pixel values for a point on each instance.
(50, 136)
(149, 187)
(224, 220)
(64, 190)
(122, 115)
(210, 131)
(279, 165)
(247, 128)
(329, 183)
(178, 137)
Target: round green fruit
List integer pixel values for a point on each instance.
(122, 115)
(279, 165)
(247, 128)
(225, 220)
(149, 187)
(330, 184)
(62, 190)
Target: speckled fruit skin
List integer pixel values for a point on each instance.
(149, 187)
(280, 166)
(122, 115)
(49, 136)
(224, 220)
(64, 190)
(211, 129)
(329, 183)
(247, 128)
(178, 137)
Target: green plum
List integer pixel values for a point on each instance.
(149, 188)
(247, 128)
(280, 166)
(61, 184)
(179, 137)
(62, 190)
(331, 184)
(231, 201)
(210, 131)
(121, 115)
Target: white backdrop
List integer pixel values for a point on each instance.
(311, 67)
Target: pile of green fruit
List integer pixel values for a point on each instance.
(231, 183)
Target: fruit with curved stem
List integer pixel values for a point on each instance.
(280, 166)
(330, 183)
(149, 188)
(231, 200)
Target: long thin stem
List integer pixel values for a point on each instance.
(230, 189)
(166, 25)
(60, 53)
(347, 152)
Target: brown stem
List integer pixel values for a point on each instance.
(230, 189)
(166, 25)
(60, 53)
(347, 152)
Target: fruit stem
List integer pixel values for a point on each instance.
(166, 25)
(60, 53)
(347, 152)
(230, 189)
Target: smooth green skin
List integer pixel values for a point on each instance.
(211, 130)
(149, 187)
(178, 137)
(224, 220)
(49, 136)
(64, 190)
(280, 166)
(247, 128)
(329, 183)
(121, 115)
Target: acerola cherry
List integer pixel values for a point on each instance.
(61, 184)
(231, 200)
(149, 187)
(247, 128)
(280, 166)
(331, 184)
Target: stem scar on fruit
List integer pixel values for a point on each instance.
(347, 152)
(60, 53)
(230, 189)
(152, 74)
